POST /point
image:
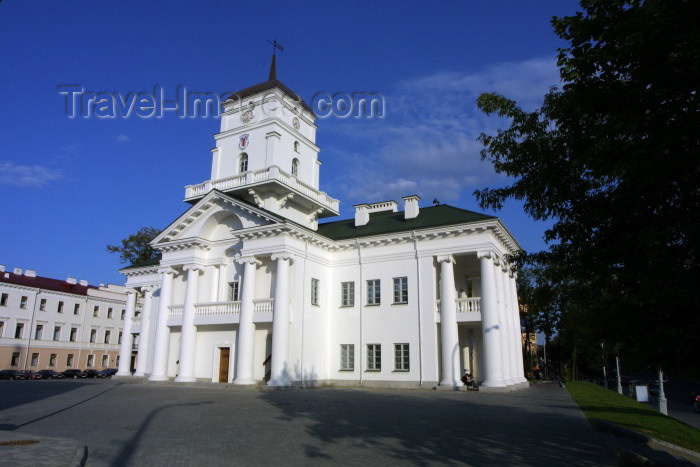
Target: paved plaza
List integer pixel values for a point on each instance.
(127, 423)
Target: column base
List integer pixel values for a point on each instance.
(452, 385)
(125, 373)
(139, 374)
(185, 379)
(279, 382)
(244, 381)
(158, 378)
(494, 384)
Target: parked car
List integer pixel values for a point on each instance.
(110, 371)
(50, 374)
(31, 374)
(106, 373)
(12, 374)
(94, 374)
(74, 373)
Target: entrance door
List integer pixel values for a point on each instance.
(223, 364)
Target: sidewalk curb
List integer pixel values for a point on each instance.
(81, 455)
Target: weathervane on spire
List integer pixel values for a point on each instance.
(276, 45)
(273, 66)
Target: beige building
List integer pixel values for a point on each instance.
(58, 324)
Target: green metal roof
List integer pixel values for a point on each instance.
(391, 222)
(141, 264)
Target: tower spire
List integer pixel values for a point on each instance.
(273, 66)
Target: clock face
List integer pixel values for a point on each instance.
(295, 123)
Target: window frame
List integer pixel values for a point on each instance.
(375, 299)
(374, 357)
(400, 292)
(42, 304)
(242, 163)
(23, 302)
(4, 298)
(347, 297)
(402, 357)
(56, 336)
(19, 330)
(39, 332)
(234, 291)
(314, 291)
(347, 357)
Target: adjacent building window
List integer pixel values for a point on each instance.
(39, 332)
(347, 357)
(105, 361)
(35, 359)
(91, 361)
(15, 359)
(60, 307)
(123, 312)
(374, 357)
(234, 291)
(73, 334)
(314, 291)
(373, 294)
(96, 311)
(42, 304)
(296, 146)
(347, 294)
(23, 302)
(119, 338)
(57, 333)
(52, 359)
(76, 309)
(93, 335)
(18, 330)
(108, 334)
(400, 290)
(243, 163)
(110, 313)
(401, 357)
(3, 299)
(2, 328)
(69, 360)
(295, 167)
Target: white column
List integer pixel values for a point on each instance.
(279, 363)
(162, 341)
(506, 322)
(127, 338)
(493, 370)
(520, 369)
(448, 323)
(215, 282)
(246, 329)
(144, 347)
(188, 338)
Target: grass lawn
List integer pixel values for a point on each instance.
(604, 404)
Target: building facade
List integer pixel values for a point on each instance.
(55, 324)
(252, 288)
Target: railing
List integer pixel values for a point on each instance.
(464, 305)
(217, 308)
(263, 305)
(176, 310)
(267, 174)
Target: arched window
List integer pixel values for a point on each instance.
(296, 146)
(295, 167)
(243, 163)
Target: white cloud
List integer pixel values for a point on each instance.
(427, 142)
(34, 176)
(122, 138)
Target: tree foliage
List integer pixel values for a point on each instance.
(136, 247)
(613, 157)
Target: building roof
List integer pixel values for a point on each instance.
(392, 222)
(143, 264)
(44, 283)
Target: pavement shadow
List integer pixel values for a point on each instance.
(15, 393)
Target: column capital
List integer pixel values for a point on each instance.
(148, 289)
(130, 291)
(166, 270)
(247, 259)
(192, 267)
(446, 259)
(284, 256)
(485, 254)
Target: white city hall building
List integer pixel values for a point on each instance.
(251, 288)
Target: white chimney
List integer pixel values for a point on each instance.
(30, 273)
(2, 268)
(83, 282)
(410, 206)
(18, 271)
(72, 280)
(361, 214)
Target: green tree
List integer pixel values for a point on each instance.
(613, 157)
(136, 247)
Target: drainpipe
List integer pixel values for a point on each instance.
(303, 306)
(360, 288)
(31, 326)
(420, 330)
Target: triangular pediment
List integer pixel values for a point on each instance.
(214, 216)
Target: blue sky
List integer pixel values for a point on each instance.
(69, 187)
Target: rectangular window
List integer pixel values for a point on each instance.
(470, 286)
(42, 304)
(401, 357)
(18, 330)
(69, 360)
(105, 361)
(347, 294)
(400, 290)
(2, 328)
(110, 313)
(52, 359)
(15, 359)
(314, 291)
(90, 361)
(96, 311)
(347, 357)
(35, 359)
(39, 332)
(93, 335)
(73, 334)
(60, 307)
(119, 338)
(373, 293)
(76, 309)
(57, 333)
(234, 291)
(108, 334)
(23, 302)
(374, 357)
(123, 313)
(3, 300)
